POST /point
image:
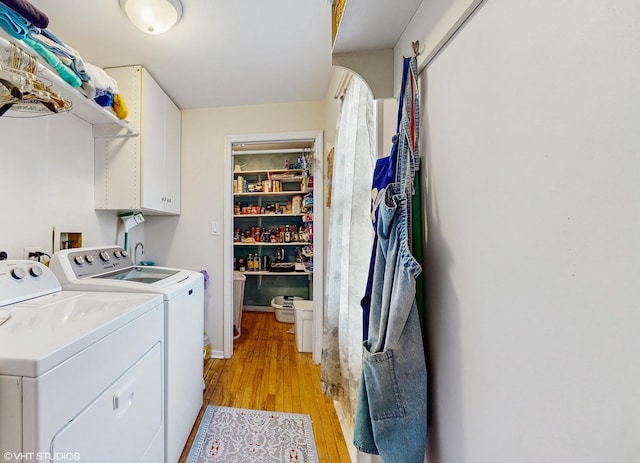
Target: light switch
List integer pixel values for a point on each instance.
(215, 228)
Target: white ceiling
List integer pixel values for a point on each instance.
(221, 53)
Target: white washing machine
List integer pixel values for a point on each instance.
(110, 268)
(80, 372)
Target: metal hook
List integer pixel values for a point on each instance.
(416, 47)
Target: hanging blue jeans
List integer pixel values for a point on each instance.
(391, 416)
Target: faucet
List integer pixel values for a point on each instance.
(135, 253)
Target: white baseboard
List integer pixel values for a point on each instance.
(258, 308)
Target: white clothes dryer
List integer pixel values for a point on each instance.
(109, 268)
(80, 372)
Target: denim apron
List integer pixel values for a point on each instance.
(384, 174)
(391, 415)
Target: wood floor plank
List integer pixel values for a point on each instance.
(268, 373)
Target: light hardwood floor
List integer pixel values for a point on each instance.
(267, 372)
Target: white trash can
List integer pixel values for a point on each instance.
(304, 325)
(238, 301)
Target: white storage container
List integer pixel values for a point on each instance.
(304, 325)
(284, 308)
(238, 301)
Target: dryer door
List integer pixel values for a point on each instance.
(122, 422)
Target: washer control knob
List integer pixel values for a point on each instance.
(104, 255)
(18, 273)
(124, 253)
(89, 258)
(117, 254)
(35, 271)
(79, 260)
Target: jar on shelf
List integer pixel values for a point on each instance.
(296, 204)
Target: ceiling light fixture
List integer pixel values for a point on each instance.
(152, 16)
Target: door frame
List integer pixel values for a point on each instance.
(318, 232)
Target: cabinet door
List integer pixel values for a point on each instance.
(152, 143)
(141, 172)
(173, 124)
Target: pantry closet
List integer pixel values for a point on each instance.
(275, 231)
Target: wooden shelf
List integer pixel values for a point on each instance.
(271, 193)
(267, 172)
(262, 272)
(240, 216)
(260, 243)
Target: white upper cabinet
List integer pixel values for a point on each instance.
(141, 173)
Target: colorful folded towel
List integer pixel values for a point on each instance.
(63, 71)
(67, 55)
(29, 12)
(14, 23)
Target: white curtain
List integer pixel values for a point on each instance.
(349, 248)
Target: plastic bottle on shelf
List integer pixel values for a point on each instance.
(287, 234)
(250, 263)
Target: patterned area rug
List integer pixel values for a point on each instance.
(237, 435)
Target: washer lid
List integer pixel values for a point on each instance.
(140, 274)
(45, 331)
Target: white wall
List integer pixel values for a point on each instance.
(531, 147)
(186, 241)
(47, 181)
